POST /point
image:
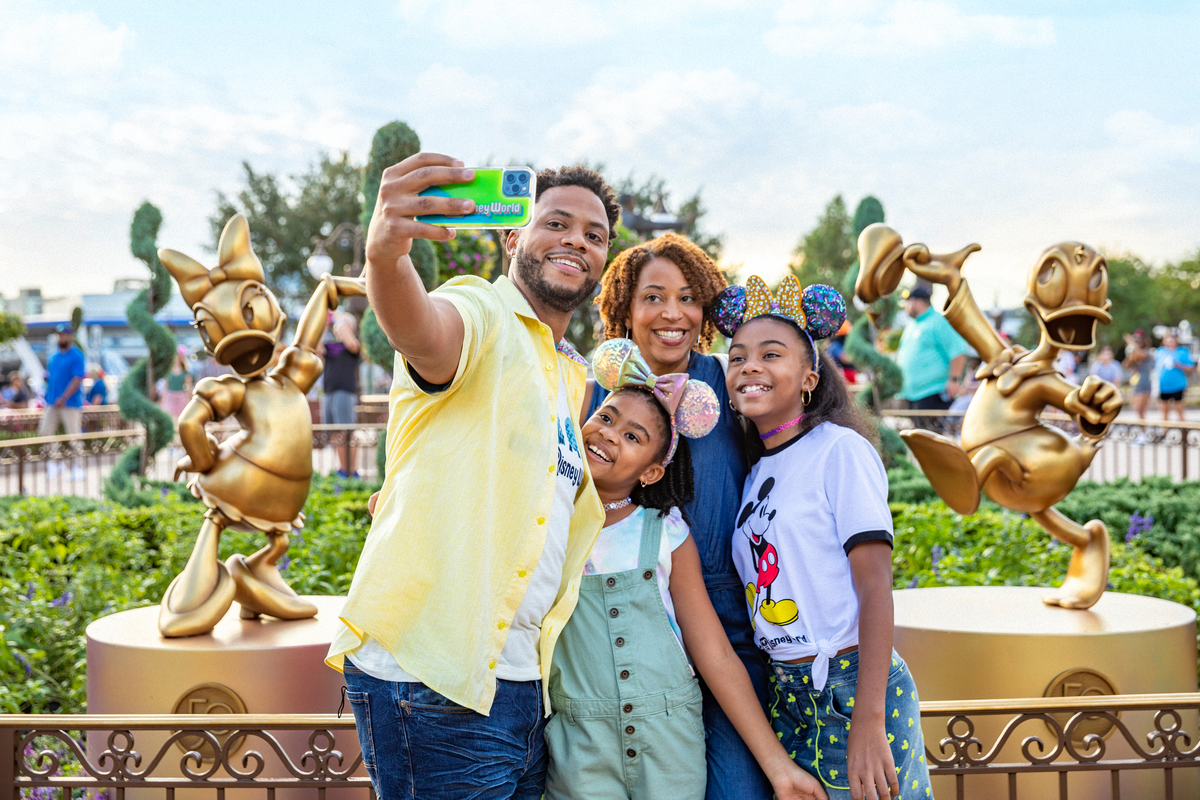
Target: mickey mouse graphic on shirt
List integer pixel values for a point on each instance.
(754, 521)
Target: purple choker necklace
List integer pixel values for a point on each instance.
(791, 424)
(617, 506)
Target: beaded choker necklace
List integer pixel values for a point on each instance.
(781, 428)
(617, 506)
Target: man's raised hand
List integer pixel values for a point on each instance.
(393, 226)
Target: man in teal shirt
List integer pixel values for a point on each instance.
(931, 355)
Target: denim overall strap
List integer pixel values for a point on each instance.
(652, 525)
(628, 721)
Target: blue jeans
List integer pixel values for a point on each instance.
(814, 726)
(418, 744)
(733, 774)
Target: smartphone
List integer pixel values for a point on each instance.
(503, 199)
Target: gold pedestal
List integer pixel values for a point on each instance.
(260, 666)
(985, 642)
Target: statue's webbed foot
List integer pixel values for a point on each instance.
(261, 590)
(174, 621)
(1087, 574)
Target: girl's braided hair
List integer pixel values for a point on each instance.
(620, 282)
(676, 487)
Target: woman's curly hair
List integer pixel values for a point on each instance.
(620, 281)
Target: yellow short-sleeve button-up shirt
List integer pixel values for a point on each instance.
(470, 479)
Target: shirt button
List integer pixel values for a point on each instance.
(611, 582)
(631, 752)
(624, 674)
(552, 418)
(549, 367)
(491, 665)
(614, 613)
(620, 641)
(541, 520)
(500, 625)
(629, 729)
(550, 469)
(521, 573)
(628, 708)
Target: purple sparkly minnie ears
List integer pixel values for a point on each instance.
(692, 405)
(818, 310)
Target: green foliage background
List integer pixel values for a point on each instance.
(11, 326)
(132, 394)
(64, 561)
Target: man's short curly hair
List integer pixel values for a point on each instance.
(588, 179)
(620, 282)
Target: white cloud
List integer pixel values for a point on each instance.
(515, 28)
(884, 27)
(64, 44)
(1142, 133)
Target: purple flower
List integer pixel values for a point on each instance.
(479, 257)
(913, 583)
(935, 555)
(453, 264)
(28, 591)
(24, 663)
(1138, 525)
(63, 600)
(165, 491)
(284, 563)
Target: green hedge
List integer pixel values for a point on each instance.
(65, 561)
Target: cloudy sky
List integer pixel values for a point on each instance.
(1011, 124)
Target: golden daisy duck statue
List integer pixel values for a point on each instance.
(258, 479)
(1006, 451)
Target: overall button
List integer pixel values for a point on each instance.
(647, 574)
(629, 729)
(624, 674)
(628, 708)
(611, 582)
(612, 612)
(620, 641)
(631, 752)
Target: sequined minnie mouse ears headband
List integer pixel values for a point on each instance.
(818, 310)
(691, 405)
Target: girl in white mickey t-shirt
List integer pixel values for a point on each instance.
(813, 548)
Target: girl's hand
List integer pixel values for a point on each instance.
(872, 771)
(793, 783)
(371, 501)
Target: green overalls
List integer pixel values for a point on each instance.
(627, 720)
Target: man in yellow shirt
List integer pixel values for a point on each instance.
(487, 512)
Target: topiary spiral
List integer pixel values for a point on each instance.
(132, 398)
(392, 144)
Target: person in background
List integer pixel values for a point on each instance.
(16, 395)
(64, 400)
(1106, 368)
(1173, 365)
(931, 355)
(178, 390)
(1140, 362)
(97, 394)
(837, 351)
(1066, 365)
(341, 384)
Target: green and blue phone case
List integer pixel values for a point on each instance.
(503, 199)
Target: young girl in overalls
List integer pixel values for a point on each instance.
(813, 548)
(627, 720)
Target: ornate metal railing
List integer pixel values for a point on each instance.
(60, 753)
(1134, 448)
(77, 465)
(1131, 746)
(18, 422)
(1112, 745)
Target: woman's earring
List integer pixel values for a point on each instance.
(806, 397)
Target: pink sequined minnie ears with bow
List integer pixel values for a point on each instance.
(818, 310)
(691, 404)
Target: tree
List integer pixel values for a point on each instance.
(825, 253)
(132, 397)
(283, 220)
(11, 327)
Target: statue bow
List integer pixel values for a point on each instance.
(236, 262)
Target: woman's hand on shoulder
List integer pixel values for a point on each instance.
(793, 783)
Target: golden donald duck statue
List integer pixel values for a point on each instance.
(258, 479)
(1006, 451)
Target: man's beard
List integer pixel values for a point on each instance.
(557, 298)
